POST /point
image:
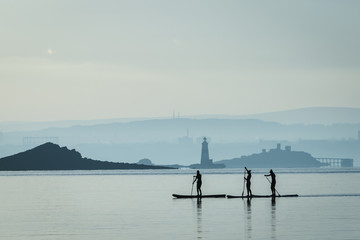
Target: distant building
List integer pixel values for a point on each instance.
(278, 147)
(337, 162)
(205, 161)
(186, 139)
(347, 162)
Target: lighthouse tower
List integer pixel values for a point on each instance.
(205, 160)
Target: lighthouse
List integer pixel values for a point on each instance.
(205, 160)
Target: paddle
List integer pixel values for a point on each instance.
(270, 183)
(192, 185)
(243, 184)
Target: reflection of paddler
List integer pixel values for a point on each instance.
(248, 182)
(273, 181)
(198, 181)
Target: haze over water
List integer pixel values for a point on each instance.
(88, 60)
(126, 59)
(139, 205)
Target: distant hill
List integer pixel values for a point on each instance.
(307, 116)
(50, 156)
(145, 161)
(169, 130)
(178, 140)
(314, 115)
(275, 158)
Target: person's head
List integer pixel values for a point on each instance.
(271, 171)
(197, 172)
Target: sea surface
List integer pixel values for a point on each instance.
(139, 205)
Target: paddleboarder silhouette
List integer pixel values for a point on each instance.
(248, 182)
(273, 181)
(198, 181)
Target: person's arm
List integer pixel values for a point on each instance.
(195, 177)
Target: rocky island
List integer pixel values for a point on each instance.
(50, 156)
(274, 158)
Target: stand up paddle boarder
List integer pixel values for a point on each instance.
(248, 182)
(198, 181)
(273, 181)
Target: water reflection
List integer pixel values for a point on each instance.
(273, 218)
(199, 218)
(248, 219)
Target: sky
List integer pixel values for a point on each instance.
(85, 60)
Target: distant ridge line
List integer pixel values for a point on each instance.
(310, 115)
(307, 116)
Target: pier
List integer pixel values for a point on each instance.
(337, 162)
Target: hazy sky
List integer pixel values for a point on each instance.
(111, 59)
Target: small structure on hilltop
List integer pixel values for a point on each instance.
(205, 161)
(275, 158)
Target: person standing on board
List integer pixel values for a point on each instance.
(248, 182)
(273, 181)
(198, 181)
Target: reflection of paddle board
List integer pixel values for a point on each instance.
(196, 196)
(262, 196)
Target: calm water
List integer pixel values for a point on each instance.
(139, 205)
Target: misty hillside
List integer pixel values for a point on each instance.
(170, 130)
(319, 115)
(178, 140)
(307, 116)
(219, 130)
